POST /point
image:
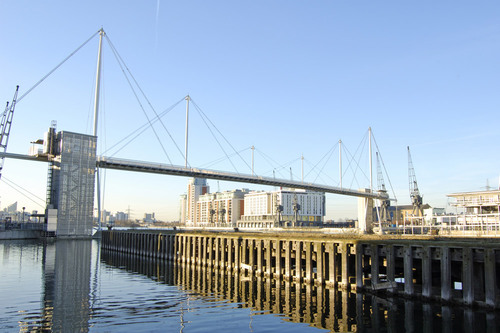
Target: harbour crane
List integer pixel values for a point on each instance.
(384, 204)
(5, 125)
(416, 198)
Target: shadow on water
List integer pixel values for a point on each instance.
(326, 308)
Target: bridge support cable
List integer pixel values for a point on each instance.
(319, 174)
(204, 116)
(360, 149)
(276, 166)
(327, 156)
(120, 60)
(124, 70)
(59, 65)
(137, 132)
(221, 159)
(217, 140)
(24, 192)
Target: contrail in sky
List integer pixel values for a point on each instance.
(157, 20)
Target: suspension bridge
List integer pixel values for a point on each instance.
(51, 153)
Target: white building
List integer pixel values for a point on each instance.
(477, 211)
(283, 207)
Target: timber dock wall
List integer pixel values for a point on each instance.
(448, 270)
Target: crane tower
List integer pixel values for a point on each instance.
(416, 198)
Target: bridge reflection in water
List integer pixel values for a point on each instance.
(322, 307)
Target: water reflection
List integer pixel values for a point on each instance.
(65, 286)
(66, 278)
(325, 308)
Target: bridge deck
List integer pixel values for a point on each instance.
(139, 166)
(168, 169)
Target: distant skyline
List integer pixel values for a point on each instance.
(289, 78)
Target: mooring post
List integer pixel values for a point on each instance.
(330, 248)
(345, 266)
(408, 270)
(426, 271)
(288, 259)
(259, 269)
(490, 277)
(467, 275)
(308, 269)
(359, 266)
(320, 271)
(445, 273)
(375, 264)
(237, 255)
(269, 250)
(210, 262)
(298, 261)
(278, 272)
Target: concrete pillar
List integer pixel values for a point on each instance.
(408, 270)
(199, 256)
(359, 267)
(168, 246)
(260, 260)
(426, 271)
(308, 268)
(210, 262)
(230, 254)
(288, 259)
(467, 275)
(237, 256)
(278, 258)
(189, 246)
(320, 272)
(490, 277)
(180, 248)
(391, 263)
(223, 256)
(244, 251)
(217, 252)
(365, 213)
(298, 261)
(269, 249)
(345, 266)
(445, 273)
(251, 255)
(332, 276)
(375, 264)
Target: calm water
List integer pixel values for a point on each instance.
(73, 286)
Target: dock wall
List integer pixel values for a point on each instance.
(450, 271)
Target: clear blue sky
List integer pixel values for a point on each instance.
(290, 77)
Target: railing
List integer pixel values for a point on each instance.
(22, 226)
(484, 225)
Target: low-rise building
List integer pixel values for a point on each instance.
(284, 207)
(477, 210)
(220, 207)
